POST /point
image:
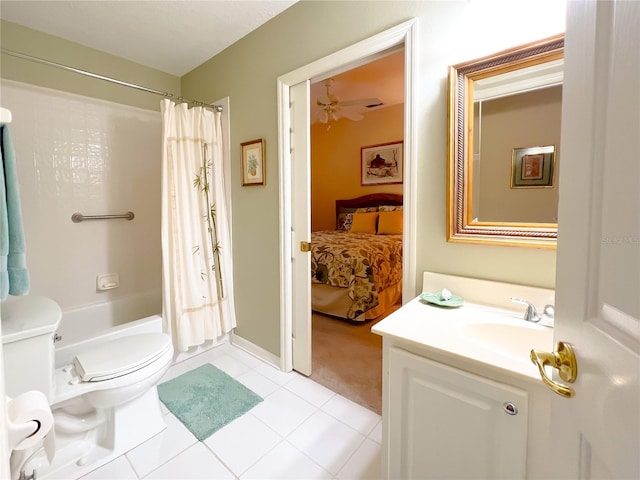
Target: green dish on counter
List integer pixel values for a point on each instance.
(436, 299)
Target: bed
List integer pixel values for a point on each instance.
(356, 269)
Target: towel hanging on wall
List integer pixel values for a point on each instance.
(14, 277)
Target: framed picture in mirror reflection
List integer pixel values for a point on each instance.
(532, 167)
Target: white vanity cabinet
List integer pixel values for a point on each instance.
(443, 422)
(460, 396)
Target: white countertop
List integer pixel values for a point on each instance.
(493, 337)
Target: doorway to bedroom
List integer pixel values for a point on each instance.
(294, 125)
(357, 119)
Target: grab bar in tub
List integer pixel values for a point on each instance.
(78, 217)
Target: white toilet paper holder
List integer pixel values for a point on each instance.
(20, 432)
(29, 421)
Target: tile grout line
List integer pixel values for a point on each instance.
(218, 457)
(282, 387)
(167, 460)
(133, 469)
(364, 437)
(320, 408)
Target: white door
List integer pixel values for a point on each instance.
(597, 433)
(300, 226)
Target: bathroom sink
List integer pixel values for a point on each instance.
(512, 339)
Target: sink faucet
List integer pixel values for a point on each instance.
(531, 314)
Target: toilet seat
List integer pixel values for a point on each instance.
(121, 356)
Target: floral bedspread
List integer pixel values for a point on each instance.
(364, 263)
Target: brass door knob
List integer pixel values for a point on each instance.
(564, 360)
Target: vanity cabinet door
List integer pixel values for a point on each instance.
(448, 423)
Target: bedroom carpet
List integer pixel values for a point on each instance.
(347, 358)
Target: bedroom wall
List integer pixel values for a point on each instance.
(335, 160)
(448, 33)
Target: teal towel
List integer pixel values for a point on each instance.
(14, 276)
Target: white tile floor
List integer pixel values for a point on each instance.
(301, 430)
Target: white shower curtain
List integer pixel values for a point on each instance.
(197, 274)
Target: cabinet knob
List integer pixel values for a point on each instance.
(510, 408)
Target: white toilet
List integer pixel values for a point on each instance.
(103, 404)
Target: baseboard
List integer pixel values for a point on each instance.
(255, 350)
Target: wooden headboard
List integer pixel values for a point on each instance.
(372, 200)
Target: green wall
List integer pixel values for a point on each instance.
(309, 30)
(31, 42)
(448, 33)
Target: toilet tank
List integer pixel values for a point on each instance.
(28, 327)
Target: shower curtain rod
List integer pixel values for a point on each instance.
(42, 61)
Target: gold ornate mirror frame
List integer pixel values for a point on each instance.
(460, 226)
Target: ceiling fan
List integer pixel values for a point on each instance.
(333, 108)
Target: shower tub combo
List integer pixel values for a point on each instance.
(87, 327)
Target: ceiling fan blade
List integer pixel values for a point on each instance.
(361, 101)
(317, 115)
(351, 115)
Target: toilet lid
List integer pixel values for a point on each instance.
(120, 356)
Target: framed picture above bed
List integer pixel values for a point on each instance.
(381, 164)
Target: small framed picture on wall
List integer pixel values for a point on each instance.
(381, 164)
(532, 167)
(253, 162)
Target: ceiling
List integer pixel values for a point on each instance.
(172, 36)
(176, 36)
(381, 78)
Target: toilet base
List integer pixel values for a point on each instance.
(127, 426)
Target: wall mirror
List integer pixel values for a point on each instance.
(504, 117)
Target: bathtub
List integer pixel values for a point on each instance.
(84, 327)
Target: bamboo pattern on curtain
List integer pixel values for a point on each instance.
(197, 271)
(201, 183)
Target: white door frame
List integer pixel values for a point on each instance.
(405, 33)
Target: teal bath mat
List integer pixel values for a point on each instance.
(205, 399)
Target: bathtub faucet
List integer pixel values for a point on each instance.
(531, 314)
